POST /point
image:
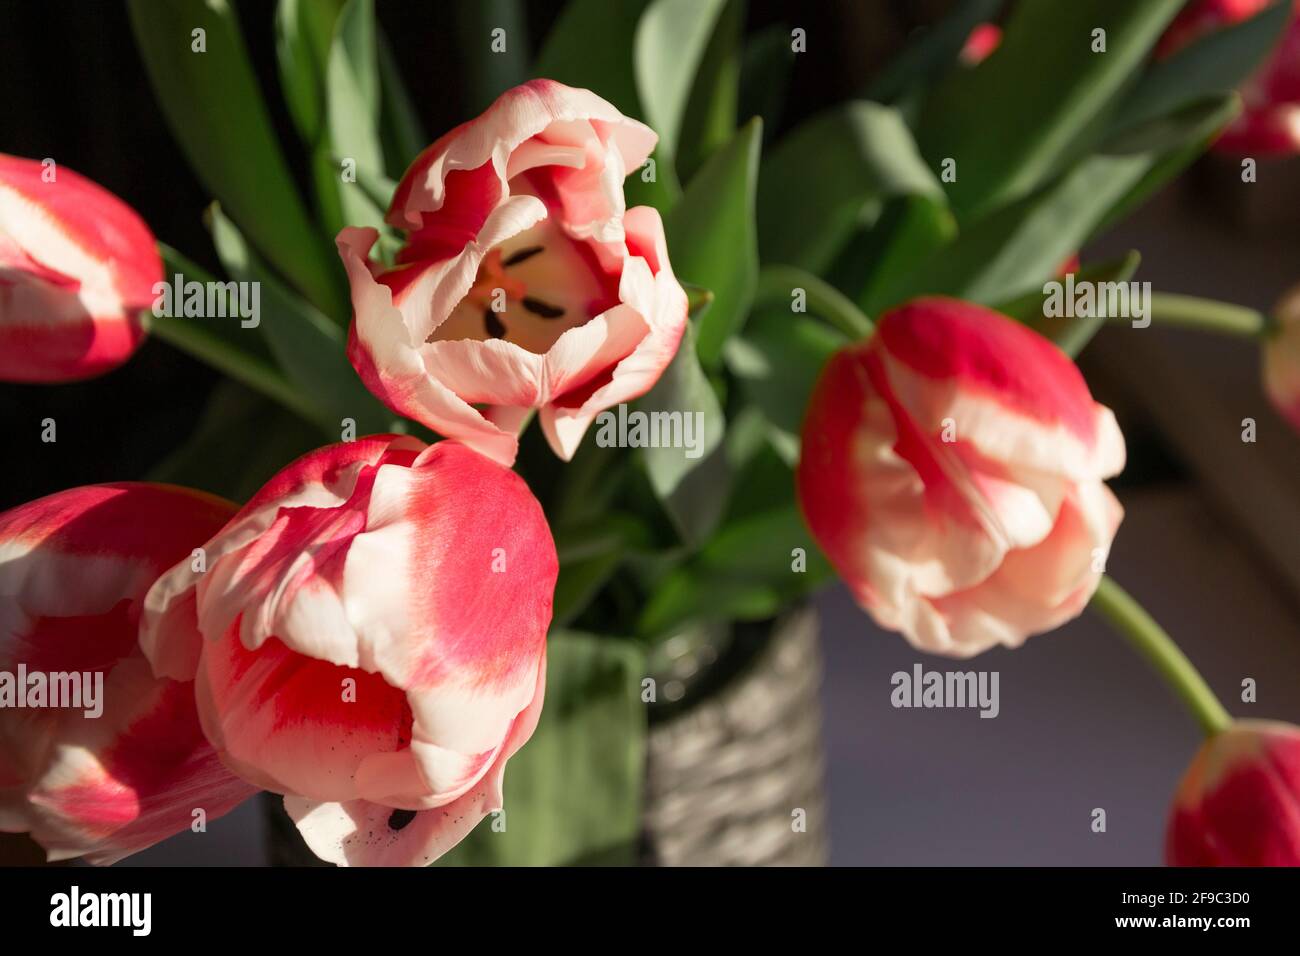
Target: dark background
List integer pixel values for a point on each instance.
(1083, 724)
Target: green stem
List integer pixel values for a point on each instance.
(192, 338)
(1206, 315)
(1150, 640)
(776, 283)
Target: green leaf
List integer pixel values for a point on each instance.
(912, 230)
(303, 29)
(690, 483)
(1071, 334)
(710, 118)
(308, 346)
(778, 360)
(570, 57)
(712, 236)
(573, 793)
(352, 115)
(1009, 122)
(928, 55)
(747, 572)
(1020, 247)
(1210, 67)
(215, 109)
(817, 182)
(670, 41)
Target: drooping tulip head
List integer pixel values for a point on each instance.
(369, 639)
(951, 469)
(523, 283)
(74, 569)
(77, 265)
(1239, 802)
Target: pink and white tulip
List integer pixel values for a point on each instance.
(951, 470)
(1269, 123)
(1282, 359)
(369, 639)
(77, 265)
(1239, 802)
(524, 282)
(74, 569)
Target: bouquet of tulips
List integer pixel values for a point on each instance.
(611, 362)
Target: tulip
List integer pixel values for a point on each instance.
(1239, 802)
(74, 568)
(369, 639)
(523, 282)
(951, 470)
(1270, 120)
(1282, 359)
(76, 267)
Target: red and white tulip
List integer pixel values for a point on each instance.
(369, 639)
(77, 265)
(1239, 802)
(1270, 120)
(74, 569)
(523, 283)
(951, 469)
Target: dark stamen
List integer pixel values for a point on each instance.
(495, 327)
(400, 818)
(543, 309)
(521, 255)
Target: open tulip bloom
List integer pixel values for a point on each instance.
(494, 459)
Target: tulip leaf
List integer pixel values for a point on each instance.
(709, 120)
(1005, 135)
(760, 560)
(1021, 246)
(589, 553)
(777, 361)
(817, 182)
(690, 482)
(573, 793)
(353, 145)
(569, 56)
(1209, 67)
(712, 236)
(303, 30)
(668, 48)
(1071, 333)
(197, 63)
(308, 346)
(931, 53)
(911, 230)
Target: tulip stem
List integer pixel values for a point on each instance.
(190, 337)
(1207, 315)
(1151, 641)
(776, 287)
